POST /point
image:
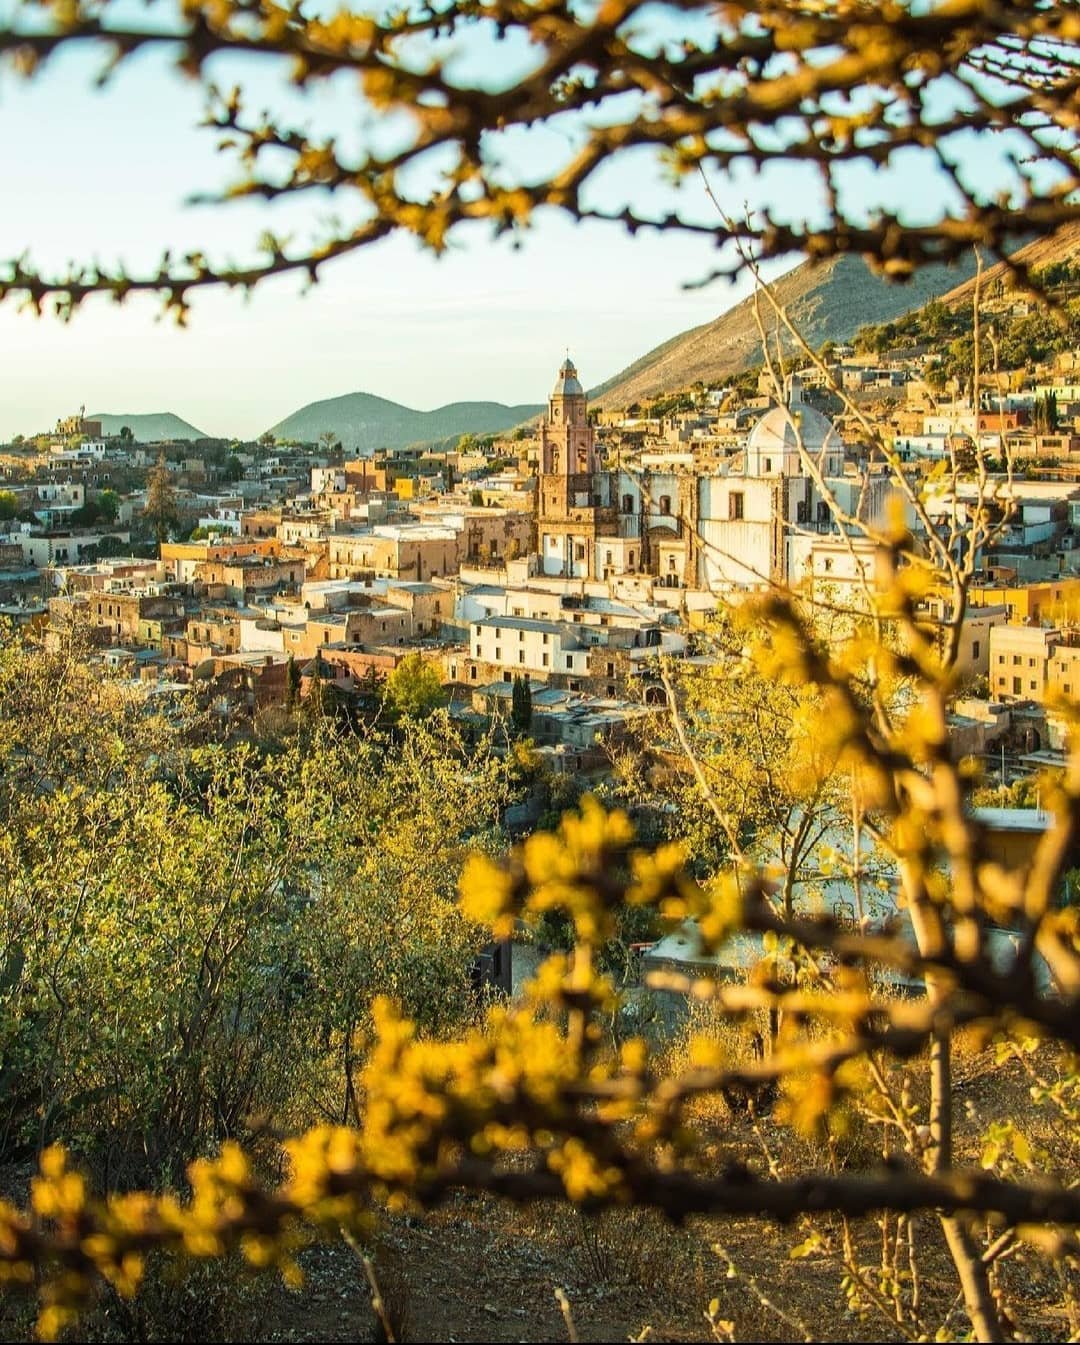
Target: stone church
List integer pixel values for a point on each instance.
(728, 527)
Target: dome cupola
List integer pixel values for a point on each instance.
(567, 385)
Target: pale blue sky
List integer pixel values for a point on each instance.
(104, 175)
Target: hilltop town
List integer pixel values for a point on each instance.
(565, 555)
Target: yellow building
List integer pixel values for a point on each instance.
(1055, 600)
(1032, 662)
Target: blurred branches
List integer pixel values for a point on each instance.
(778, 85)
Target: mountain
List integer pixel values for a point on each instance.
(828, 301)
(149, 429)
(1063, 246)
(365, 423)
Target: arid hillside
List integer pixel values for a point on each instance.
(1064, 246)
(829, 302)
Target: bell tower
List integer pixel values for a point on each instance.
(567, 440)
(574, 503)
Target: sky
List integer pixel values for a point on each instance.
(105, 174)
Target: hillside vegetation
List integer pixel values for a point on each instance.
(150, 428)
(1025, 330)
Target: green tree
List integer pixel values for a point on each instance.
(1046, 414)
(110, 545)
(757, 783)
(233, 469)
(414, 689)
(320, 702)
(521, 706)
(196, 981)
(86, 515)
(292, 684)
(160, 509)
(108, 503)
(9, 505)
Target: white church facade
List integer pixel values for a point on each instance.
(727, 528)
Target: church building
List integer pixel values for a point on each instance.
(725, 528)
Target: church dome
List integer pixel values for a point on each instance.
(567, 385)
(782, 429)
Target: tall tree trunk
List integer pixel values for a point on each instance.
(970, 1270)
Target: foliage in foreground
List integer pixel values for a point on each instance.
(180, 916)
(539, 1102)
(802, 92)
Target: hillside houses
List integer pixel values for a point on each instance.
(574, 557)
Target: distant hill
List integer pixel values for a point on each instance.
(827, 302)
(149, 429)
(365, 423)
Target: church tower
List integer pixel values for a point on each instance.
(567, 440)
(575, 504)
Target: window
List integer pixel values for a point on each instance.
(611, 689)
(521, 656)
(472, 674)
(665, 504)
(768, 466)
(521, 637)
(569, 661)
(735, 505)
(575, 686)
(1031, 663)
(628, 504)
(974, 649)
(579, 551)
(828, 564)
(607, 557)
(1032, 686)
(611, 670)
(1067, 689)
(1017, 660)
(498, 653)
(545, 659)
(1001, 658)
(1018, 686)
(578, 618)
(507, 677)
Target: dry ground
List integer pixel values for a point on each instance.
(479, 1269)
